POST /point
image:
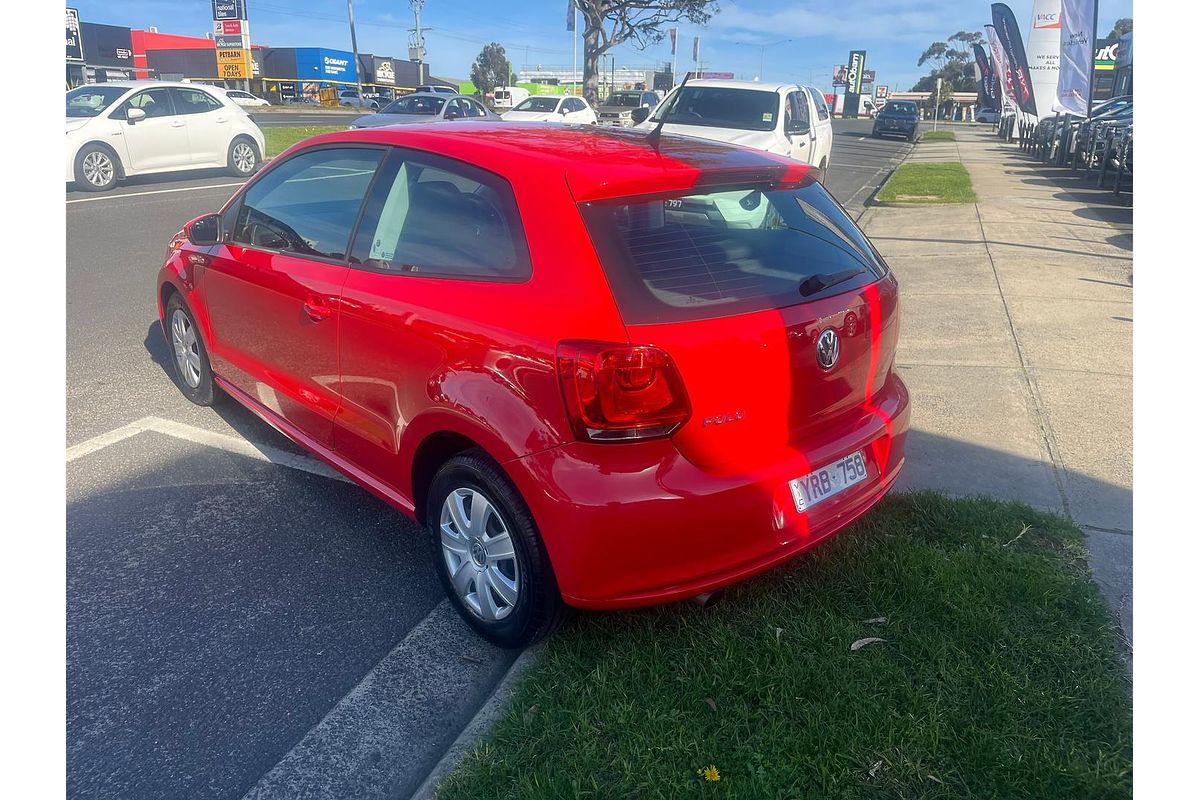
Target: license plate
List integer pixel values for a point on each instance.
(827, 481)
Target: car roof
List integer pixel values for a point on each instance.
(758, 86)
(152, 84)
(598, 163)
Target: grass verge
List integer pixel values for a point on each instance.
(997, 677)
(283, 137)
(937, 136)
(935, 182)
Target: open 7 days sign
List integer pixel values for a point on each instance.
(233, 64)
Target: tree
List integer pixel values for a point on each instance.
(953, 62)
(491, 68)
(608, 23)
(1121, 27)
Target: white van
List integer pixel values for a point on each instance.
(508, 96)
(784, 118)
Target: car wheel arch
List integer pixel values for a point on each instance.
(116, 157)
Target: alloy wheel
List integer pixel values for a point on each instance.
(187, 349)
(98, 168)
(479, 555)
(243, 157)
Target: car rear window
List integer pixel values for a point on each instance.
(728, 251)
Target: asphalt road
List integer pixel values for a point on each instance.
(239, 619)
(275, 119)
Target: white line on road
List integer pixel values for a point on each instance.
(156, 191)
(190, 433)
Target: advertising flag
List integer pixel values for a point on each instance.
(1078, 18)
(1014, 53)
(987, 80)
(1004, 86)
(1042, 47)
(674, 39)
(696, 49)
(571, 15)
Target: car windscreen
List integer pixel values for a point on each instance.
(538, 104)
(91, 101)
(415, 105)
(728, 251)
(624, 100)
(908, 109)
(721, 107)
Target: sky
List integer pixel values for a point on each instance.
(796, 41)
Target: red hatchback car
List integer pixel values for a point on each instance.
(603, 368)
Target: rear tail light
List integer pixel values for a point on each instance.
(617, 392)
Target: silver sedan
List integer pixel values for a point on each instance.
(428, 107)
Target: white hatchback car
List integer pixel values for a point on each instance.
(245, 99)
(115, 130)
(552, 108)
(781, 118)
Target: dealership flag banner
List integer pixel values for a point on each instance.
(1042, 47)
(1014, 53)
(674, 38)
(571, 15)
(987, 79)
(696, 49)
(1078, 19)
(1004, 85)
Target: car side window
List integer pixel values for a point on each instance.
(432, 216)
(650, 99)
(819, 102)
(155, 102)
(194, 101)
(798, 108)
(308, 204)
(474, 109)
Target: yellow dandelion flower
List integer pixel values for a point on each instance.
(709, 773)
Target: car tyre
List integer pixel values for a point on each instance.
(244, 158)
(190, 366)
(96, 168)
(488, 554)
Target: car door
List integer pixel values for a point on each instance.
(157, 141)
(822, 127)
(797, 128)
(437, 239)
(208, 123)
(273, 288)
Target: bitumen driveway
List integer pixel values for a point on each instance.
(240, 619)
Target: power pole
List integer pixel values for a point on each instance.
(416, 50)
(354, 47)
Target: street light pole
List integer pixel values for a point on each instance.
(762, 53)
(354, 47)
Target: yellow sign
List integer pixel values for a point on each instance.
(233, 63)
(328, 95)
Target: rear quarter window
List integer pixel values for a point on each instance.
(728, 251)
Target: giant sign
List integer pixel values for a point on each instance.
(855, 66)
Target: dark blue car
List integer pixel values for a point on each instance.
(898, 118)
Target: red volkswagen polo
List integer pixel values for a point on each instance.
(604, 369)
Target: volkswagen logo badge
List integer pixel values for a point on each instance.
(828, 348)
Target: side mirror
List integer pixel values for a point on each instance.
(134, 114)
(563, 111)
(452, 114)
(640, 114)
(204, 231)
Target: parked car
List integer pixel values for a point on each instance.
(245, 99)
(626, 109)
(552, 108)
(430, 89)
(349, 97)
(427, 108)
(717, 396)
(506, 97)
(786, 119)
(121, 129)
(1112, 104)
(897, 118)
(989, 115)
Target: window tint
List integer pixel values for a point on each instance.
(194, 101)
(474, 109)
(798, 109)
(819, 102)
(433, 216)
(897, 107)
(155, 102)
(308, 204)
(728, 251)
(720, 107)
(650, 99)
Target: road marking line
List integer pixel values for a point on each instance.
(220, 441)
(156, 191)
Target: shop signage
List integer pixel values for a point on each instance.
(230, 27)
(74, 39)
(233, 64)
(384, 73)
(233, 42)
(229, 9)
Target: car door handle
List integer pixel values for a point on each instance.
(221, 119)
(317, 308)
(178, 123)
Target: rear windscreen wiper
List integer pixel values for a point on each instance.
(819, 283)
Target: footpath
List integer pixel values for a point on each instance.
(1016, 344)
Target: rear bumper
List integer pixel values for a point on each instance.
(641, 525)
